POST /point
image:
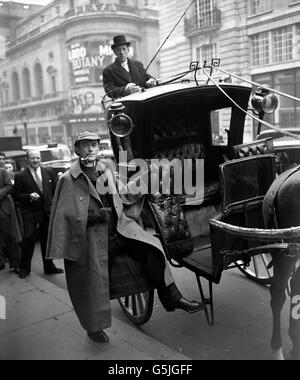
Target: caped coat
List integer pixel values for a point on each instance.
(68, 221)
(116, 78)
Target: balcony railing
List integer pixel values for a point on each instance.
(59, 95)
(25, 37)
(203, 22)
(101, 8)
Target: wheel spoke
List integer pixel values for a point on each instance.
(127, 302)
(140, 303)
(255, 267)
(134, 306)
(264, 259)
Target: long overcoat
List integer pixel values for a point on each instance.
(68, 221)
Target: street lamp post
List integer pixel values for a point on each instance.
(25, 121)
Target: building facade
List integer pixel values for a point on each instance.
(256, 39)
(51, 80)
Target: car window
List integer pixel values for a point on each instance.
(55, 154)
(104, 146)
(220, 122)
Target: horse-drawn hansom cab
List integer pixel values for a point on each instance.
(221, 226)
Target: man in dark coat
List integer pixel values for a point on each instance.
(125, 76)
(34, 190)
(8, 240)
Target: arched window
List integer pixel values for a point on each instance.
(26, 83)
(38, 76)
(15, 86)
(52, 78)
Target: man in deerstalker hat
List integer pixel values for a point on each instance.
(125, 76)
(78, 234)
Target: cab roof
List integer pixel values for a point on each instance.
(182, 87)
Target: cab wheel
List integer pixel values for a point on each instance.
(138, 308)
(258, 270)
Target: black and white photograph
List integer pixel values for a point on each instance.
(149, 183)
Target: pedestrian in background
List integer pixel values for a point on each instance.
(10, 234)
(2, 159)
(9, 167)
(34, 190)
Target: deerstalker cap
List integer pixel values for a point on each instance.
(119, 41)
(86, 136)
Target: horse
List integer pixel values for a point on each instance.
(281, 209)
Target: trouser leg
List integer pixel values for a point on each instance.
(44, 227)
(155, 263)
(28, 244)
(168, 295)
(2, 254)
(9, 246)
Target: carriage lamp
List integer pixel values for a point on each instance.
(120, 124)
(265, 101)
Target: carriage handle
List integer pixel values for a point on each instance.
(254, 234)
(290, 250)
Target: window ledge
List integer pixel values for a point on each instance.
(261, 13)
(294, 3)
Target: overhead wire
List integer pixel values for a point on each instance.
(258, 84)
(266, 124)
(169, 35)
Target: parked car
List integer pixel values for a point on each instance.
(286, 148)
(106, 150)
(12, 148)
(56, 156)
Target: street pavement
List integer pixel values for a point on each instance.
(242, 328)
(41, 324)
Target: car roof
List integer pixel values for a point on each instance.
(286, 143)
(276, 134)
(44, 146)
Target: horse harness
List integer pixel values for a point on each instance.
(269, 209)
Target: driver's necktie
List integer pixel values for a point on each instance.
(38, 181)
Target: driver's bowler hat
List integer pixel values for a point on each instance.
(119, 41)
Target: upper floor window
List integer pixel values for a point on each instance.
(259, 6)
(273, 47)
(38, 77)
(206, 53)
(26, 83)
(15, 86)
(283, 44)
(52, 82)
(204, 12)
(261, 49)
